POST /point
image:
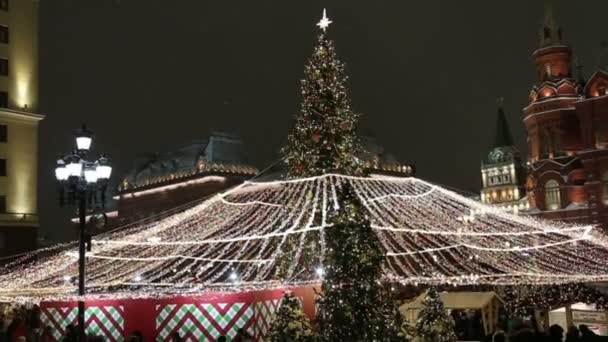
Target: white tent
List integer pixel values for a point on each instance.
(487, 302)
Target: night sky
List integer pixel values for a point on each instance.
(149, 75)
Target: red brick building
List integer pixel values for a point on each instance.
(567, 134)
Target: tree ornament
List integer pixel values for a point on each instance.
(316, 137)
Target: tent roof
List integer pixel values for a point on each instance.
(455, 300)
(240, 239)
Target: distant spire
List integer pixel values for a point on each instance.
(551, 33)
(503, 133)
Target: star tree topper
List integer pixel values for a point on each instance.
(324, 23)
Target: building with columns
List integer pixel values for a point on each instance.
(19, 119)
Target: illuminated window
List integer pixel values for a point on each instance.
(552, 195)
(3, 34)
(4, 66)
(3, 133)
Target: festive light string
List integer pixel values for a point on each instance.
(586, 231)
(169, 257)
(250, 203)
(237, 240)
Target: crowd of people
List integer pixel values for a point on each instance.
(525, 333)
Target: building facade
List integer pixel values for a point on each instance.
(566, 123)
(164, 182)
(503, 174)
(19, 121)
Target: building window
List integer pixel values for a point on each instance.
(4, 66)
(2, 203)
(3, 133)
(4, 34)
(552, 195)
(2, 167)
(3, 99)
(4, 5)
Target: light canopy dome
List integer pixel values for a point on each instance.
(265, 235)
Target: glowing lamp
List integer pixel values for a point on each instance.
(74, 166)
(90, 174)
(104, 168)
(61, 171)
(84, 138)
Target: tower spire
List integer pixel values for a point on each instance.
(503, 136)
(550, 33)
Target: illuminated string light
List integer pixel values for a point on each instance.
(236, 240)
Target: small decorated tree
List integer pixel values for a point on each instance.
(433, 324)
(290, 323)
(354, 305)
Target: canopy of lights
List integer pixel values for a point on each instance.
(262, 235)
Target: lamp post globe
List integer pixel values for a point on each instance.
(104, 168)
(84, 139)
(61, 171)
(82, 180)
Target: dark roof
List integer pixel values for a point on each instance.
(503, 136)
(220, 153)
(377, 160)
(503, 150)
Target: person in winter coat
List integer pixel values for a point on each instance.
(573, 335)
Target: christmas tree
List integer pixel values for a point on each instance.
(324, 138)
(433, 324)
(290, 323)
(354, 306)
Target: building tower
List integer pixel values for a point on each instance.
(18, 125)
(502, 172)
(567, 128)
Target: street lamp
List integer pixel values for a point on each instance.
(82, 180)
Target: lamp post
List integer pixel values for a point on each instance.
(79, 181)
